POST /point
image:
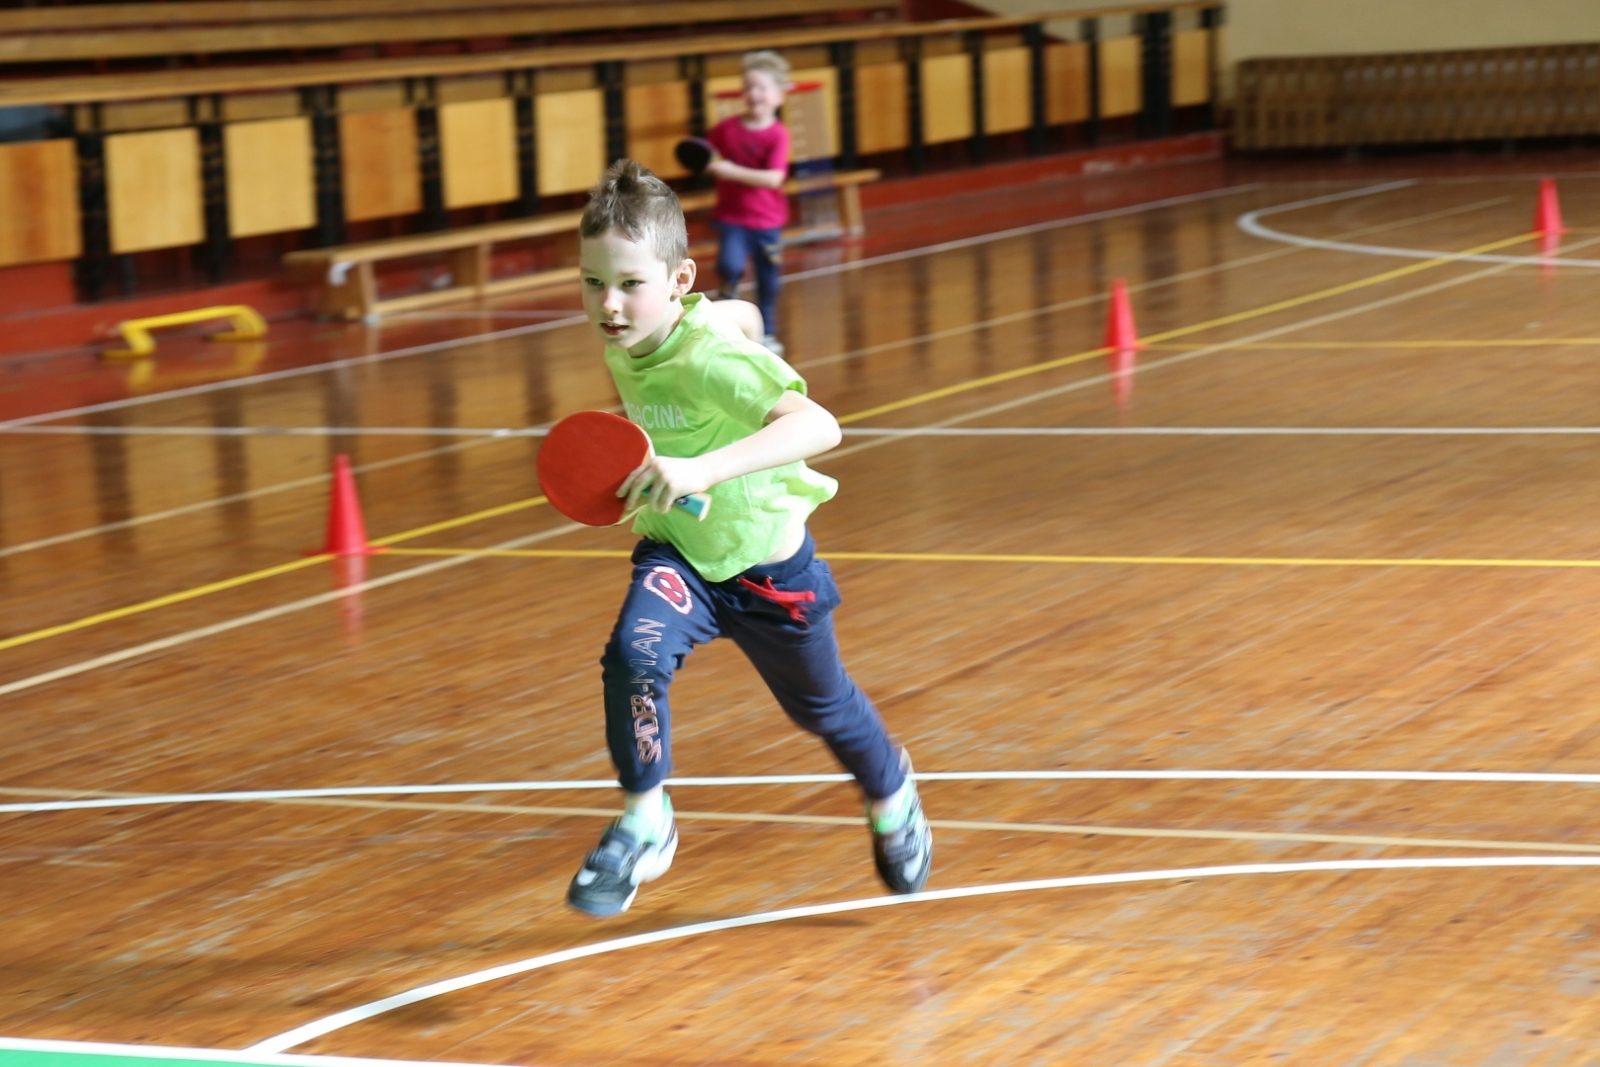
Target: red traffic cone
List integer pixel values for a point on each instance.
(1120, 333)
(1547, 218)
(347, 532)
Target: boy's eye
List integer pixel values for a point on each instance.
(630, 283)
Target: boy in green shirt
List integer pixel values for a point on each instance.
(727, 418)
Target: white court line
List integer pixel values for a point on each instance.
(231, 498)
(1141, 287)
(208, 1055)
(268, 795)
(1217, 431)
(1221, 346)
(339, 1020)
(292, 372)
(188, 636)
(851, 431)
(206, 631)
(283, 431)
(1250, 223)
(519, 331)
(936, 335)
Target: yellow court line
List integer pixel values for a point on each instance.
(975, 383)
(255, 576)
(1514, 342)
(1182, 331)
(995, 557)
(855, 821)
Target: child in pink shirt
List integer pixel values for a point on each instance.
(751, 165)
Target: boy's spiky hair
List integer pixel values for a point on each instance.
(642, 207)
(770, 62)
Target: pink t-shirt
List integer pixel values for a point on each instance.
(765, 149)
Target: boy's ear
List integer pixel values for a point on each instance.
(683, 278)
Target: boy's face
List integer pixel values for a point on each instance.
(630, 295)
(762, 95)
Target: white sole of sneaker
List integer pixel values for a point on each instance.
(649, 868)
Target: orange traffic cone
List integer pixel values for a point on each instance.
(1547, 217)
(1120, 332)
(347, 532)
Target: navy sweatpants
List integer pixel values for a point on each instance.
(781, 616)
(743, 243)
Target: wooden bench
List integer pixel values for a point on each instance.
(349, 272)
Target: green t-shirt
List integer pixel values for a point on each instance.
(708, 386)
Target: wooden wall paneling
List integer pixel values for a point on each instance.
(125, 116)
(1007, 90)
(658, 118)
(829, 79)
(469, 87)
(946, 98)
(153, 186)
(478, 152)
(379, 154)
(248, 107)
(1121, 77)
(39, 202)
(1191, 67)
(271, 180)
(881, 120)
(1066, 82)
(572, 140)
(373, 96)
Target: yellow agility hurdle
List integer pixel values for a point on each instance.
(248, 325)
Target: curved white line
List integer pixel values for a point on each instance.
(265, 795)
(1250, 223)
(338, 1021)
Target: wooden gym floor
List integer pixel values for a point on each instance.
(1256, 560)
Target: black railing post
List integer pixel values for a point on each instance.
(1211, 19)
(93, 209)
(1033, 36)
(206, 114)
(429, 163)
(1155, 118)
(911, 54)
(694, 76)
(610, 75)
(978, 147)
(327, 162)
(1089, 31)
(520, 85)
(844, 65)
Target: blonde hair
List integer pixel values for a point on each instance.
(642, 207)
(769, 62)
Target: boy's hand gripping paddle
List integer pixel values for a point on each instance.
(584, 461)
(694, 154)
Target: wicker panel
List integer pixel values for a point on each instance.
(1412, 98)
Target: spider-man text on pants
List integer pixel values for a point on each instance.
(781, 616)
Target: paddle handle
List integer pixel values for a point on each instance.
(696, 504)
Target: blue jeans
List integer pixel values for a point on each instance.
(741, 243)
(781, 616)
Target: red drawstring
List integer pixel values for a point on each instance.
(791, 602)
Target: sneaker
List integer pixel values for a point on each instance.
(773, 345)
(610, 878)
(902, 843)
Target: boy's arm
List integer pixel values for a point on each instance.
(797, 428)
(762, 179)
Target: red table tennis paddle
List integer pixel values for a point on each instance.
(584, 461)
(694, 154)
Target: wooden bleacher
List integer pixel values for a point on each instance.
(196, 158)
(348, 273)
(257, 25)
